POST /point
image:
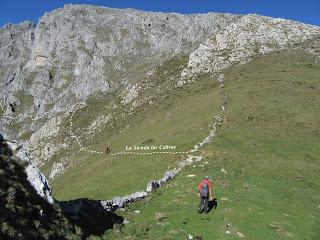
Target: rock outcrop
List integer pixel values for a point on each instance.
(25, 214)
(37, 180)
(243, 39)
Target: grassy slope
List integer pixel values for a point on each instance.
(180, 120)
(269, 146)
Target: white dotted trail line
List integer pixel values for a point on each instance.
(148, 153)
(82, 148)
(212, 133)
(196, 147)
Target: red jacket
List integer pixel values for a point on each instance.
(208, 182)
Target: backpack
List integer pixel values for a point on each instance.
(204, 192)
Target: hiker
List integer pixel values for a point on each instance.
(205, 194)
(108, 150)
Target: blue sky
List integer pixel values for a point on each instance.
(307, 11)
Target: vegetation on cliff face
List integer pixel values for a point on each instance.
(23, 213)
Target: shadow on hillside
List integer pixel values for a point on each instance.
(90, 216)
(212, 204)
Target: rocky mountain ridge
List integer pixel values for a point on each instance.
(242, 40)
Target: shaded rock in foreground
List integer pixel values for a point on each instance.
(34, 176)
(23, 213)
(90, 216)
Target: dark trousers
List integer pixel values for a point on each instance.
(204, 204)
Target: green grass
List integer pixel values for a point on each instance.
(269, 146)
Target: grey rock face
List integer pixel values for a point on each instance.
(240, 41)
(39, 182)
(15, 48)
(78, 49)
